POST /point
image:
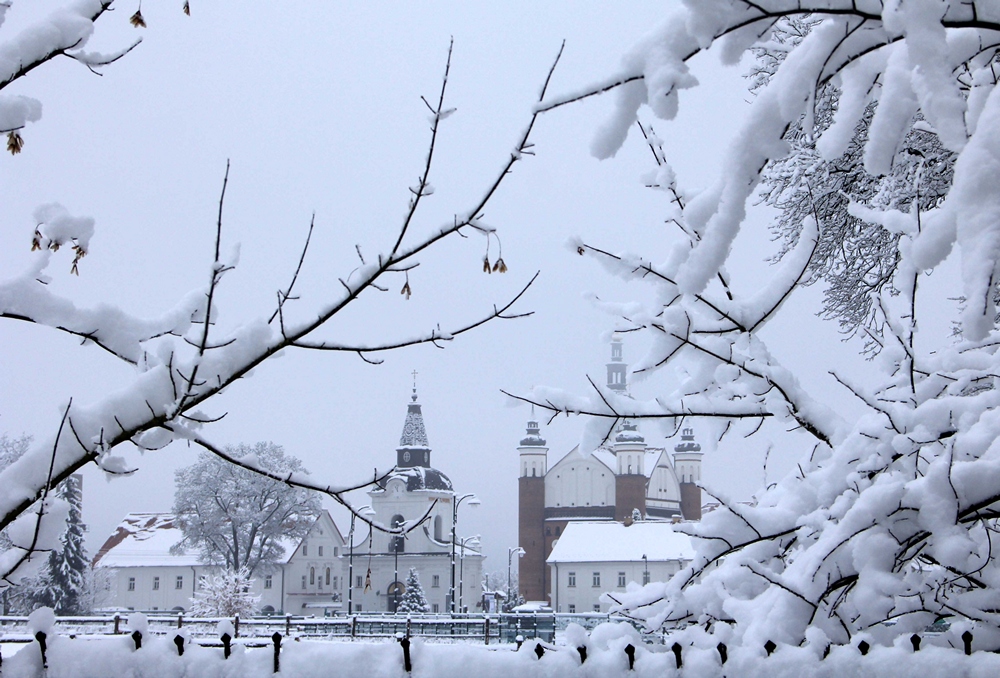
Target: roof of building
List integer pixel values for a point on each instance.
(419, 478)
(607, 541)
(146, 539)
(414, 434)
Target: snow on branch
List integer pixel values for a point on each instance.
(184, 358)
(874, 131)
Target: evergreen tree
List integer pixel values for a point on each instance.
(67, 567)
(61, 583)
(414, 599)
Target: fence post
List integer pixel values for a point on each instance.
(723, 654)
(915, 641)
(354, 626)
(405, 643)
(539, 650)
(226, 649)
(40, 637)
(583, 653)
(118, 621)
(236, 626)
(137, 639)
(676, 649)
(519, 639)
(288, 624)
(770, 647)
(863, 647)
(630, 651)
(276, 639)
(486, 629)
(180, 620)
(967, 641)
(179, 642)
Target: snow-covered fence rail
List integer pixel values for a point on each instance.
(480, 628)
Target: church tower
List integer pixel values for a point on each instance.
(531, 513)
(687, 462)
(413, 450)
(630, 473)
(617, 369)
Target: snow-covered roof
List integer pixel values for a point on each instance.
(414, 434)
(144, 539)
(606, 541)
(418, 478)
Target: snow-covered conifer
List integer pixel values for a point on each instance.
(414, 600)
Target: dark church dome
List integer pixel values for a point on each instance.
(421, 478)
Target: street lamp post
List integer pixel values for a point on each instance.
(367, 512)
(473, 501)
(510, 555)
(472, 541)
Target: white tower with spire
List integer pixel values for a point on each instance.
(533, 452)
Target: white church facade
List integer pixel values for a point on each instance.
(321, 574)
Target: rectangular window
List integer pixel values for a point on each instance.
(436, 608)
(156, 583)
(597, 579)
(303, 582)
(268, 581)
(571, 579)
(131, 583)
(436, 581)
(305, 549)
(359, 607)
(621, 580)
(321, 550)
(572, 609)
(359, 581)
(336, 582)
(179, 582)
(597, 608)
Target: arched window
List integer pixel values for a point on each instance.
(267, 609)
(312, 576)
(437, 528)
(396, 544)
(328, 576)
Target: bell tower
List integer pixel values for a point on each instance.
(687, 464)
(617, 369)
(531, 513)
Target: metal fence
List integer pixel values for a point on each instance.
(464, 627)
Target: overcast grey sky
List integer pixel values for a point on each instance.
(317, 105)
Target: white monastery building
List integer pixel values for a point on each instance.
(594, 558)
(147, 576)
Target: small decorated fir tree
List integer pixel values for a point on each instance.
(414, 599)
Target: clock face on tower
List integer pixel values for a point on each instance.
(406, 456)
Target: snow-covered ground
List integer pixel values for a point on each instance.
(99, 657)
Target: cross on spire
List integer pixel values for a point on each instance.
(414, 385)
